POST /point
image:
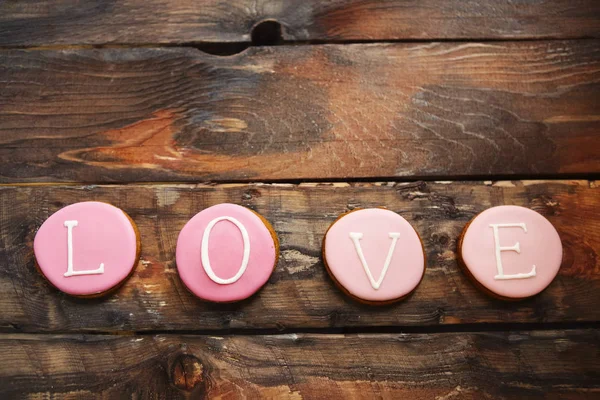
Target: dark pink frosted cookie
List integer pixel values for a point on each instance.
(374, 255)
(512, 252)
(226, 253)
(87, 248)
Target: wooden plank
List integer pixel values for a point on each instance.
(301, 112)
(63, 22)
(542, 364)
(299, 294)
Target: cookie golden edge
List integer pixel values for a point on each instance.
(356, 298)
(463, 266)
(113, 289)
(275, 262)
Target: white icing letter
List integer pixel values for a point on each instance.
(356, 236)
(516, 248)
(205, 260)
(70, 269)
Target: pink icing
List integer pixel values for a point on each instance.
(103, 234)
(407, 264)
(539, 246)
(225, 250)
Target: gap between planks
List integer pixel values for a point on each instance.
(361, 330)
(198, 45)
(499, 181)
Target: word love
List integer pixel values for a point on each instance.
(227, 252)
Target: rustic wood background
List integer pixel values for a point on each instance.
(300, 110)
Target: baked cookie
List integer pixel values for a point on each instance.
(87, 249)
(374, 255)
(226, 253)
(510, 252)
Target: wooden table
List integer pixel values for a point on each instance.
(436, 109)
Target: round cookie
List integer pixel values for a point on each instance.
(87, 249)
(226, 253)
(510, 252)
(374, 255)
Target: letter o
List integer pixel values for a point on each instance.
(204, 249)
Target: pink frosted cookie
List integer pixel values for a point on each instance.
(374, 255)
(86, 249)
(511, 252)
(226, 253)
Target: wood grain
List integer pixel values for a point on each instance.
(301, 112)
(137, 22)
(299, 295)
(543, 364)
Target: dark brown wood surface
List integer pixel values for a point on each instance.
(533, 365)
(140, 22)
(300, 294)
(301, 112)
(118, 101)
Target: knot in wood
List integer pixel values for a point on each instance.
(187, 373)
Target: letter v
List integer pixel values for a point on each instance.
(356, 236)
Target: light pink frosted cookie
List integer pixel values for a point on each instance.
(374, 255)
(511, 252)
(226, 253)
(86, 249)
